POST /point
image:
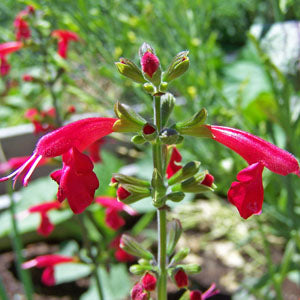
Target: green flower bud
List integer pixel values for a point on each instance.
(139, 269)
(138, 139)
(167, 106)
(132, 247)
(129, 69)
(174, 233)
(185, 172)
(149, 88)
(177, 67)
(191, 268)
(163, 87)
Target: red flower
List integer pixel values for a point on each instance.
(64, 37)
(150, 63)
(76, 180)
(5, 49)
(247, 194)
(138, 293)
(120, 254)
(149, 282)
(46, 227)
(181, 279)
(112, 217)
(21, 26)
(208, 180)
(197, 295)
(48, 262)
(94, 150)
(172, 167)
(27, 78)
(122, 193)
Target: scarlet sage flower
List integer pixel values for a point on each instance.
(77, 181)
(173, 167)
(45, 227)
(21, 25)
(48, 262)
(5, 49)
(120, 254)
(64, 37)
(112, 217)
(197, 295)
(247, 193)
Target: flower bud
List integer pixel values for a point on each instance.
(138, 293)
(174, 233)
(129, 120)
(163, 87)
(138, 139)
(149, 88)
(181, 278)
(167, 106)
(129, 69)
(195, 295)
(129, 193)
(139, 269)
(180, 255)
(168, 136)
(208, 180)
(27, 78)
(175, 197)
(177, 67)
(185, 172)
(191, 268)
(149, 132)
(149, 282)
(132, 247)
(121, 178)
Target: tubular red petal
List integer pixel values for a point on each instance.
(79, 134)
(254, 149)
(65, 34)
(48, 276)
(113, 220)
(46, 227)
(173, 167)
(9, 47)
(44, 207)
(248, 194)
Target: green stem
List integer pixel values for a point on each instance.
(88, 247)
(158, 163)
(3, 294)
(270, 265)
(162, 254)
(58, 119)
(17, 246)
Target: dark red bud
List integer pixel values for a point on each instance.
(150, 63)
(208, 180)
(195, 295)
(113, 180)
(122, 193)
(148, 129)
(149, 282)
(27, 77)
(181, 279)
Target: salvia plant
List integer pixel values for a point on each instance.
(171, 179)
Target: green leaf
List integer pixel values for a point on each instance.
(71, 271)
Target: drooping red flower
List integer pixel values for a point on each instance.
(181, 279)
(149, 282)
(5, 49)
(112, 217)
(173, 167)
(247, 194)
(64, 37)
(76, 180)
(150, 63)
(48, 262)
(197, 295)
(120, 254)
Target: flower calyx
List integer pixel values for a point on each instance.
(174, 233)
(196, 184)
(180, 255)
(131, 246)
(170, 136)
(177, 67)
(129, 120)
(194, 126)
(167, 106)
(129, 193)
(129, 69)
(188, 170)
(158, 189)
(118, 178)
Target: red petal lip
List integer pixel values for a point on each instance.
(9, 47)
(254, 149)
(79, 134)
